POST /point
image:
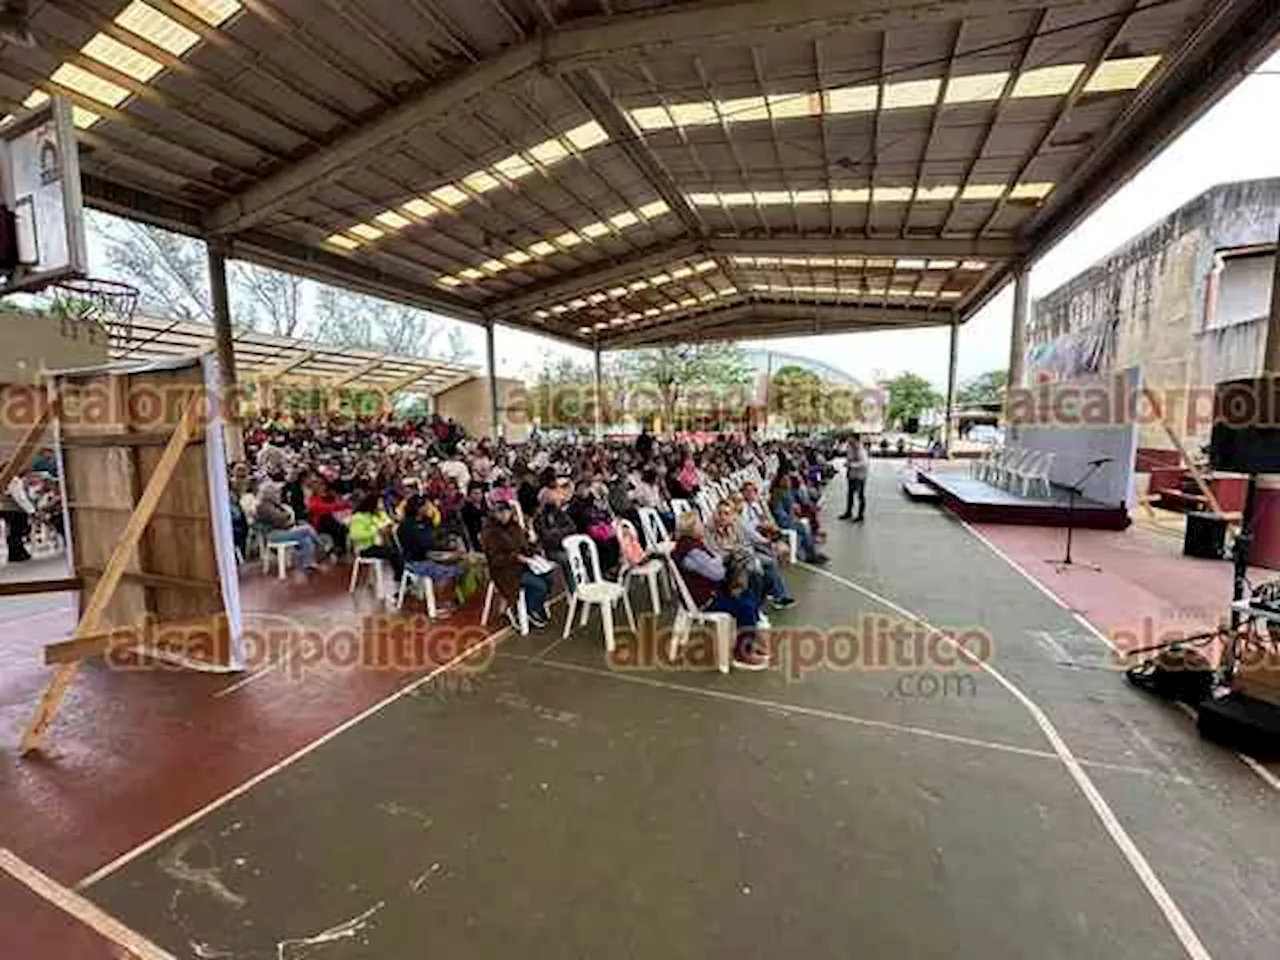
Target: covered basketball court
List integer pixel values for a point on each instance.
(615, 175)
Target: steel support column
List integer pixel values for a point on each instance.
(948, 422)
(224, 340)
(599, 399)
(495, 429)
(1271, 352)
(1018, 335)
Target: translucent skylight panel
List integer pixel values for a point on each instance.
(982, 191)
(82, 81)
(910, 93)
(1033, 190)
(342, 241)
(212, 12)
(939, 192)
(392, 220)
(852, 99)
(976, 87)
(152, 25)
(366, 231)
(1123, 74)
(112, 53)
(1047, 81)
(449, 195)
(586, 136)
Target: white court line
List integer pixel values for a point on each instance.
(1178, 923)
(91, 915)
(1267, 777)
(779, 706)
(256, 675)
(109, 868)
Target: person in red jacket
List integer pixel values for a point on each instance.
(328, 513)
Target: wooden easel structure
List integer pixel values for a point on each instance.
(1233, 519)
(148, 578)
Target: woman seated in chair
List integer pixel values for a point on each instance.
(720, 585)
(597, 523)
(326, 510)
(786, 514)
(727, 536)
(370, 533)
(429, 551)
(277, 519)
(510, 553)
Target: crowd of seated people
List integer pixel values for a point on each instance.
(422, 496)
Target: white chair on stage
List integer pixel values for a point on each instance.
(651, 570)
(1004, 468)
(591, 589)
(979, 466)
(687, 614)
(1033, 473)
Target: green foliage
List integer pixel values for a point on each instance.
(796, 394)
(702, 379)
(910, 395)
(984, 388)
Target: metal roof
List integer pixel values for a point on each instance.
(285, 360)
(618, 172)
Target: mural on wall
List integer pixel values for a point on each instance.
(1087, 351)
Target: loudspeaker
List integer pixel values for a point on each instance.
(1246, 426)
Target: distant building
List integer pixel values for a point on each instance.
(1186, 301)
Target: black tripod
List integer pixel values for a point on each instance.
(1073, 491)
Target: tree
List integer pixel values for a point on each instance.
(910, 395)
(266, 300)
(170, 271)
(796, 394)
(679, 372)
(347, 319)
(985, 388)
(562, 393)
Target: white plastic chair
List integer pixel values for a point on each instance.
(1003, 470)
(688, 613)
(656, 537)
(590, 588)
(679, 508)
(373, 564)
(979, 466)
(283, 552)
(1032, 472)
(522, 609)
(407, 579)
(651, 570)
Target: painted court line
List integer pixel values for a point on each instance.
(132, 943)
(779, 706)
(110, 868)
(1264, 774)
(257, 675)
(1178, 923)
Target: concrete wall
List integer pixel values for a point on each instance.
(1150, 303)
(468, 403)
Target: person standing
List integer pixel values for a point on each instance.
(857, 465)
(16, 510)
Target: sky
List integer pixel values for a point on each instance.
(1232, 141)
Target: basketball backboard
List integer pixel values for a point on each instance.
(42, 231)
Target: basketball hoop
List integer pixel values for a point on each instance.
(110, 303)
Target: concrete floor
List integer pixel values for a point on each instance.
(546, 805)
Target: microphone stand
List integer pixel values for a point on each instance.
(1072, 492)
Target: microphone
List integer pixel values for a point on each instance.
(1100, 461)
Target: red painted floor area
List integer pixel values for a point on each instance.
(135, 751)
(1146, 589)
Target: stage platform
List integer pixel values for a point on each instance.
(980, 502)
